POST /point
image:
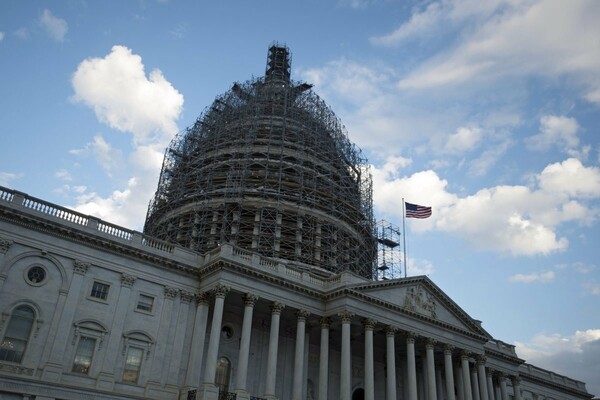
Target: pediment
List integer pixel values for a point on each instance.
(421, 296)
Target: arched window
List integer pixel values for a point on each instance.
(222, 374)
(17, 334)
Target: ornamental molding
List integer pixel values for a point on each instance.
(127, 280)
(16, 369)
(220, 291)
(185, 296)
(250, 299)
(80, 267)
(369, 323)
(301, 315)
(325, 322)
(390, 330)
(419, 300)
(346, 316)
(5, 245)
(202, 298)
(277, 308)
(170, 292)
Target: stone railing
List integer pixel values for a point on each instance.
(532, 370)
(92, 225)
(290, 270)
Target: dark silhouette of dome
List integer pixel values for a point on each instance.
(268, 167)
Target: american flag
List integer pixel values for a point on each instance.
(417, 211)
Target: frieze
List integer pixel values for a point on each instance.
(418, 300)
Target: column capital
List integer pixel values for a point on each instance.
(465, 354)
(369, 323)
(201, 298)
(220, 291)
(448, 348)
(346, 316)
(411, 337)
(5, 245)
(481, 359)
(277, 307)
(250, 299)
(80, 267)
(170, 292)
(430, 342)
(302, 315)
(515, 380)
(127, 280)
(325, 322)
(390, 330)
(185, 296)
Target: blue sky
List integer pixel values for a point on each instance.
(486, 111)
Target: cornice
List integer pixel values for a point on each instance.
(504, 356)
(527, 376)
(58, 230)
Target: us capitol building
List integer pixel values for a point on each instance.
(258, 276)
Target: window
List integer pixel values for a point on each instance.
(17, 334)
(145, 303)
(36, 275)
(84, 355)
(100, 291)
(133, 363)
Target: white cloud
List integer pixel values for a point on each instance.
(117, 89)
(543, 38)
(55, 27)
(592, 288)
(1, 36)
(574, 355)
(417, 267)
(22, 33)
(63, 175)
(515, 219)
(420, 23)
(6, 178)
(571, 178)
(542, 277)
(556, 131)
(488, 158)
(463, 140)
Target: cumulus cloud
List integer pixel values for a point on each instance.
(556, 131)
(573, 355)
(542, 277)
(117, 89)
(6, 178)
(592, 288)
(463, 140)
(123, 97)
(506, 39)
(512, 219)
(63, 175)
(55, 27)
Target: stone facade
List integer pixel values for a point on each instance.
(90, 310)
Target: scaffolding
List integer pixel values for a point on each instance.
(389, 253)
(269, 167)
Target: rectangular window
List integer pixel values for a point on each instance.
(100, 290)
(145, 303)
(83, 355)
(133, 363)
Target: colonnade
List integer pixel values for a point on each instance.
(462, 379)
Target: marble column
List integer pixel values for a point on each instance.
(242, 371)
(430, 360)
(369, 324)
(460, 382)
(449, 372)
(482, 378)
(411, 366)
(346, 360)
(474, 383)
(276, 309)
(324, 359)
(438, 383)
(210, 366)
(192, 377)
(390, 379)
(490, 384)
(516, 382)
(298, 378)
(503, 391)
(466, 372)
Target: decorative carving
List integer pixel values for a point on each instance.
(448, 349)
(481, 359)
(369, 323)
(170, 293)
(127, 280)
(80, 267)
(325, 322)
(346, 316)
(464, 355)
(390, 330)
(430, 343)
(15, 369)
(516, 380)
(185, 296)
(302, 315)
(220, 291)
(411, 337)
(5, 245)
(418, 300)
(202, 298)
(277, 307)
(250, 299)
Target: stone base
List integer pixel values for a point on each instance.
(52, 372)
(207, 391)
(105, 381)
(242, 395)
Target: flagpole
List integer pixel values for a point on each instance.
(404, 233)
